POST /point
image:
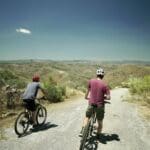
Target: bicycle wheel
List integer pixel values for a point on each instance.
(41, 115)
(85, 135)
(22, 123)
(91, 128)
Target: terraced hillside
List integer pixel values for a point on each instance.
(71, 75)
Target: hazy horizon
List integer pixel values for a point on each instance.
(73, 60)
(75, 30)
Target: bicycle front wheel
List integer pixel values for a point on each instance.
(22, 123)
(41, 115)
(85, 135)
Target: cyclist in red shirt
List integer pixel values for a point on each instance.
(97, 92)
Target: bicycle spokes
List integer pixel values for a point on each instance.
(22, 123)
(41, 115)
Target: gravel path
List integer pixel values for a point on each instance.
(123, 128)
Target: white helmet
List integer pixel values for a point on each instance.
(100, 71)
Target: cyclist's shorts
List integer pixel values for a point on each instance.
(30, 104)
(98, 110)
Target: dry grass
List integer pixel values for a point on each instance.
(143, 106)
(71, 74)
(2, 134)
(145, 111)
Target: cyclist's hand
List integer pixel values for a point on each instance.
(44, 97)
(107, 102)
(87, 98)
(107, 97)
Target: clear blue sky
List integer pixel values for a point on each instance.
(75, 29)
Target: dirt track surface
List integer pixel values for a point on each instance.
(123, 128)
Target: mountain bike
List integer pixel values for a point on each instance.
(24, 119)
(88, 129)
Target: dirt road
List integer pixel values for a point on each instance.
(123, 128)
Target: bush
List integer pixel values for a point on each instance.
(2, 82)
(140, 85)
(17, 83)
(7, 75)
(55, 93)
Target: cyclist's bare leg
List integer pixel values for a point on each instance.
(86, 119)
(100, 126)
(34, 117)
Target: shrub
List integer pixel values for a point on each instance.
(55, 93)
(7, 75)
(17, 83)
(139, 85)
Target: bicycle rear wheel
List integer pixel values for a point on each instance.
(84, 137)
(22, 123)
(41, 115)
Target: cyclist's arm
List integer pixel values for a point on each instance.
(86, 94)
(107, 97)
(107, 93)
(42, 90)
(88, 91)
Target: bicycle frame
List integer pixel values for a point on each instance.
(92, 121)
(88, 129)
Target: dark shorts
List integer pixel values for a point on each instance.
(100, 110)
(30, 104)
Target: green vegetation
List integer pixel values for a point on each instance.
(8, 77)
(2, 134)
(55, 92)
(63, 79)
(141, 87)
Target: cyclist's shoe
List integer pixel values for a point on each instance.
(81, 132)
(31, 121)
(98, 135)
(34, 125)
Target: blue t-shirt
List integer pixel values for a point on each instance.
(31, 91)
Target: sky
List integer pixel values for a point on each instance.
(75, 29)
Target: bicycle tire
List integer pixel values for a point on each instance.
(85, 135)
(93, 120)
(91, 129)
(41, 115)
(22, 121)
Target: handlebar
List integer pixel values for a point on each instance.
(107, 102)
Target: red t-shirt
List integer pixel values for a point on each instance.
(97, 89)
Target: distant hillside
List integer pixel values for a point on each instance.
(70, 73)
(63, 79)
(66, 77)
(135, 62)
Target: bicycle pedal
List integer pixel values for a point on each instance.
(80, 135)
(35, 126)
(31, 122)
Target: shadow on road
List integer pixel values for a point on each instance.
(92, 142)
(44, 127)
(104, 138)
